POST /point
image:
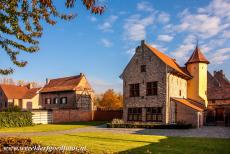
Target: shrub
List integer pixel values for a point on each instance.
(15, 119)
(149, 126)
(13, 109)
(117, 121)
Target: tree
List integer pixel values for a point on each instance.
(20, 24)
(110, 100)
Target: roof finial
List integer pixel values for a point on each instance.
(197, 42)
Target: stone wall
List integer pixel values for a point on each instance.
(155, 71)
(188, 115)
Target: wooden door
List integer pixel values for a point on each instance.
(220, 114)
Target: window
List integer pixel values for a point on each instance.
(143, 68)
(134, 114)
(154, 114)
(63, 100)
(47, 101)
(179, 92)
(134, 90)
(55, 100)
(151, 88)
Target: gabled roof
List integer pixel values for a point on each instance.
(18, 92)
(218, 86)
(168, 61)
(190, 103)
(197, 56)
(31, 93)
(63, 84)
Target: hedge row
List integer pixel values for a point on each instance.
(15, 119)
(150, 126)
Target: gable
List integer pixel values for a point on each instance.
(66, 84)
(143, 56)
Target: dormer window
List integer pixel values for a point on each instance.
(143, 68)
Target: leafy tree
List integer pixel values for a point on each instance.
(110, 100)
(20, 24)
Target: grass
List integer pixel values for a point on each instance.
(135, 144)
(51, 127)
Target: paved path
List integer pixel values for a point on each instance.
(208, 131)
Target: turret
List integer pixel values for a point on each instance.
(197, 66)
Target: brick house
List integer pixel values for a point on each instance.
(218, 99)
(25, 97)
(72, 92)
(156, 89)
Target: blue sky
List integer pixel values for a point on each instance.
(101, 46)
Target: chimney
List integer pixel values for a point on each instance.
(81, 74)
(221, 72)
(29, 85)
(47, 80)
(142, 42)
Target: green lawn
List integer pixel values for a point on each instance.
(51, 127)
(133, 143)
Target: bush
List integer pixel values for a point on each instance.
(117, 121)
(15, 119)
(117, 124)
(13, 109)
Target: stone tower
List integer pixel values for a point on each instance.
(197, 66)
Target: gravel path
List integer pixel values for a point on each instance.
(208, 131)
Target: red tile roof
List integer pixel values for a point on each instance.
(63, 84)
(31, 93)
(218, 86)
(190, 103)
(197, 56)
(18, 92)
(169, 61)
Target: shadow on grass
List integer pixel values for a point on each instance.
(170, 145)
(181, 145)
(107, 138)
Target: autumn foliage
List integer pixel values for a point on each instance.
(110, 100)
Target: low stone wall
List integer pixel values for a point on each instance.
(71, 115)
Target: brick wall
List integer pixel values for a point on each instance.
(189, 115)
(70, 115)
(107, 115)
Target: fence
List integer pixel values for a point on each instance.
(73, 115)
(42, 117)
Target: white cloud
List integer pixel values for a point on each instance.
(106, 42)
(163, 17)
(182, 53)
(145, 6)
(135, 27)
(220, 56)
(165, 38)
(159, 47)
(107, 25)
(202, 25)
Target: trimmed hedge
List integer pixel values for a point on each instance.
(15, 119)
(150, 126)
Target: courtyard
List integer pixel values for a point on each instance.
(99, 139)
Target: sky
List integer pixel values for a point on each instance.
(100, 46)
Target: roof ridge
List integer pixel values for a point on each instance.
(172, 63)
